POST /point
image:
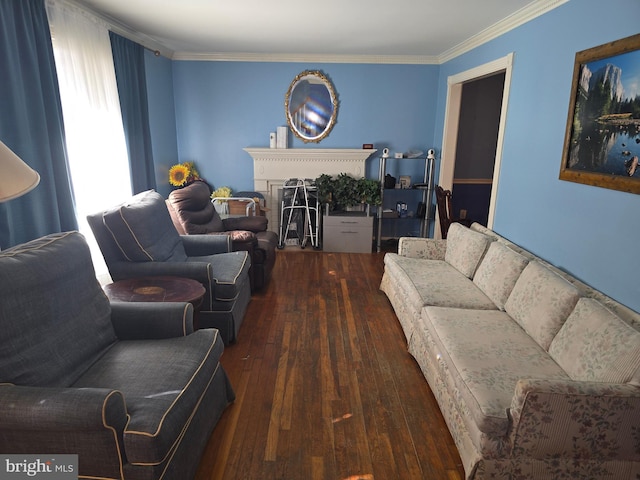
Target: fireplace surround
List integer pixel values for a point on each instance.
(272, 166)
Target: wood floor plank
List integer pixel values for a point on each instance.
(325, 387)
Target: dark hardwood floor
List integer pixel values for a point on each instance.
(325, 389)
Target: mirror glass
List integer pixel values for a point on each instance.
(311, 106)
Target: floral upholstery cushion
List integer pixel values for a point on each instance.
(498, 272)
(427, 248)
(434, 282)
(540, 302)
(486, 353)
(143, 230)
(465, 248)
(596, 345)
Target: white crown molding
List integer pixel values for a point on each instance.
(121, 29)
(307, 58)
(514, 20)
(522, 16)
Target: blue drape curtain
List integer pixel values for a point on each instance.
(31, 124)
(128, 58)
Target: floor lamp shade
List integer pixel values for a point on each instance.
(16, 177)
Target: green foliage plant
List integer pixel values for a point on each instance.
(343, 190)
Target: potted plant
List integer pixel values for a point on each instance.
(343, 192)
(369, 191)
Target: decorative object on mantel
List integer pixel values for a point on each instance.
(311, 106)
(602, 136)
(282, 137)
(342, 192)
(183, 174)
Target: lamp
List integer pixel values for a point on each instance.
(16, 177)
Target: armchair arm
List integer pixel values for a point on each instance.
(201, 245)
(83, 421)
(253, 224)
(426, 248)
(575, 419)
(196, 270)
(142, 320)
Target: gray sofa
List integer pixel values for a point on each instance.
(128, 387)
(537, 375)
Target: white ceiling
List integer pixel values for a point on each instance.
(421, 30)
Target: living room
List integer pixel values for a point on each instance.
(402, 106)
(207, 110)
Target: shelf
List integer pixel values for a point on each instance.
(425, 188)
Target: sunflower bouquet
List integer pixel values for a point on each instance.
(221, 192)
(182, 174)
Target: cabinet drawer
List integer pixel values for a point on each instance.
(347, 234)
(347, 221)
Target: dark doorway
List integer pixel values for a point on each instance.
(479, 122)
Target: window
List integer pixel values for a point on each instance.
(93, 123)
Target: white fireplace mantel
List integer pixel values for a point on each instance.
(271, 166)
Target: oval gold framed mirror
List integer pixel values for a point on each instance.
(311, 106)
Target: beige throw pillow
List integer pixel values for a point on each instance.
(465, 249)
(498, 272)
(540, 302)
(596, 345)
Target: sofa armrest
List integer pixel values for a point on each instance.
(425, 248)
(199, 271)
(202, 245)
(54, 409)
(147, 320)
(82, 421)
(574, 419)
(253, 224)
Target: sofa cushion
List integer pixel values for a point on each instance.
(56, 319)
(540, 302)
(434, 282)
(486, 353)
(498, 272)
(465, 249)
(595, 345)
(162, 382)
(143, 230)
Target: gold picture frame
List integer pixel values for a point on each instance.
(602, 136)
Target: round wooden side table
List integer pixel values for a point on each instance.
(158, 289)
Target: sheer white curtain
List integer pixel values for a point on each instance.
(93, 123)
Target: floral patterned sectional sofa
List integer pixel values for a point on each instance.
(537, 375)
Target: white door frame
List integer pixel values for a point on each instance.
(451, 124)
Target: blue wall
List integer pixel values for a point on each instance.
(594, 233)
(162, 117)
(221, 107)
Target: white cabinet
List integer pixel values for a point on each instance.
(347, 233)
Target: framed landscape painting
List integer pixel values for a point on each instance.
(602, 138)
